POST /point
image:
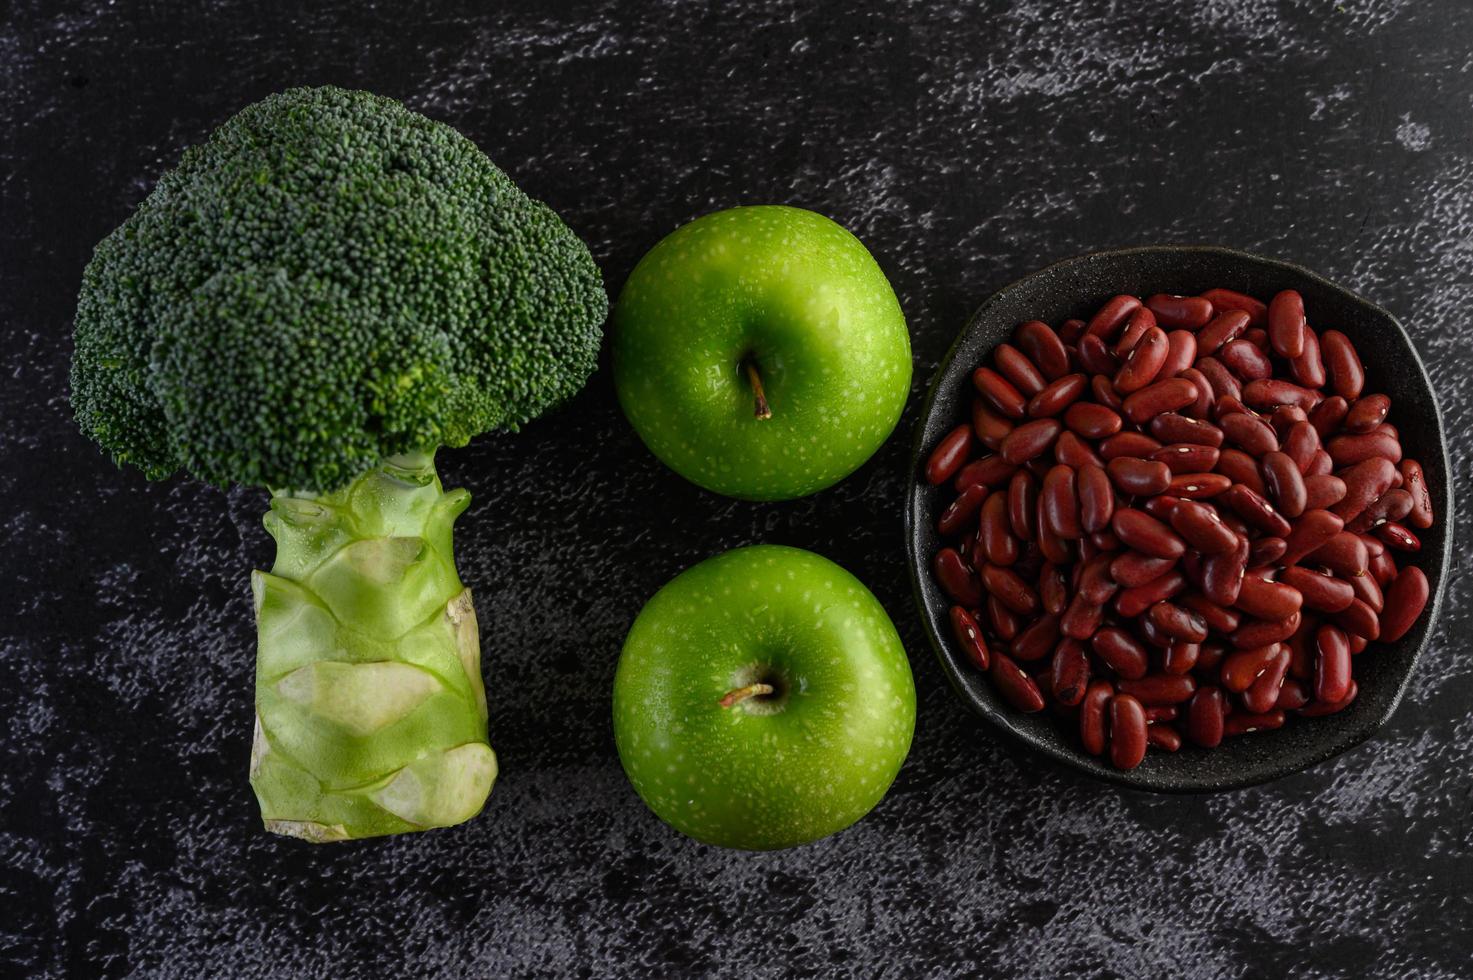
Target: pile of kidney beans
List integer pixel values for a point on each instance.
(1180, 519)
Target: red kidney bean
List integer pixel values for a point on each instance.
(969, 637)
(1161, 507)
(1259, 632)
(1246, 724)
(1202, 407)
(1180, 657)
(1071, 330)
(1365, 482)
(1342, 364)
(1256, 511)
(1252, 434)
(1300, 444)
(1309, 368)
(1245, 360)
(1266, 551)
(1030, 440)
(1043, 347)
(1366, 413)
(1104, 392)
(1206, 713)
(1331, 665)
(1092, 712)
(1096, 498)
(1268, 600)
(1318, 709)
(1181, 353)
(957, 580)
(1197, 486)
(1092, 421)
(1189, 312)
(1350, 449)
(1267, 393)
(990, 471)
(1382, 570)
(1162, 396)
(1018, 369)
(1081, 618)
(1112, 316)
(959, 514)
(1359, 618)
(1121, 652)
(1138, 477)
(1134, 601)
(1263, 694)
(1140, 321)
(1322, 593)
(1059, 503)
(1096, 357)
(1003, 620)
(1218, 618)
(1058, 396)
(1393, 505)
(1323, 492)
(1405, 600)
(1186, 457)
(1397, 536)
(994, 534)
(1070, 678)
(1128, 444)
(1023, 505)
(1202, 528)
(1341, 552)
(1414, 481)
(1285, 483)
(1037, 640)
(1132, 569)
(1226, 326)
(1177, 622)
(1156, 713)
(1320, 464)
(1050, 545)
(1284, 417)
(1224, 382)
(1241, 668)
(1162, 737)
(1328, 414)
(1009, 588)
(1159, 689)
(1286, 325)
(1227, 299)
(949, 455)
(1075, 452)
(999, 392)
(1053, 590)
(1095, 583)
(1141, 532)
(1016, 687)
(1143, 363)
(1222, 575)
(1176, 428)
(1292, 695)
(1239, 467)
(1128, 732)
(991, 428)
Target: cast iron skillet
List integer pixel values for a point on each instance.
(1075, 288)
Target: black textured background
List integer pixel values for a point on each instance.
(966, 145)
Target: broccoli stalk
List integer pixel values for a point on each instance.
(316, 299)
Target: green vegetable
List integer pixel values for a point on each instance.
(313, 301)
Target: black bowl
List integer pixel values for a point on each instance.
(1075, 288)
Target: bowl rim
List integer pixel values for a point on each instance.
(1254, 774)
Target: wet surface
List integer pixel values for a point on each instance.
(966, 147)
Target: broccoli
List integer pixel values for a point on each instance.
(313, 301)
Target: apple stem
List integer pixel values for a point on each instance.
(742, 693)
(763, 411)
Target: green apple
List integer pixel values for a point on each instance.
(761, 353)
(763, 699)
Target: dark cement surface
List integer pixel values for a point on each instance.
(966, 145)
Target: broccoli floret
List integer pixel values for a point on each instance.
(329, 280)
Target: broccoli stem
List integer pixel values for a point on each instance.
(370, 713)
